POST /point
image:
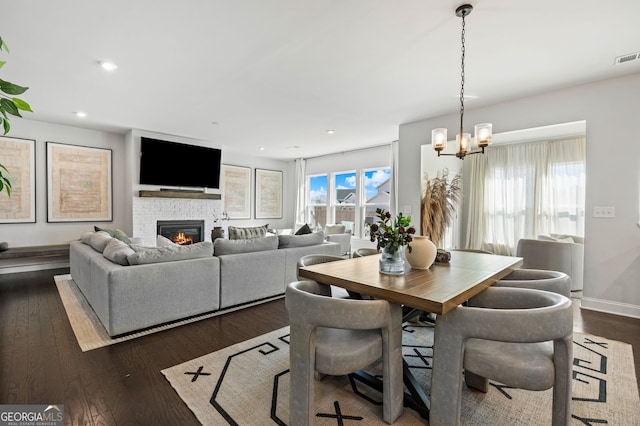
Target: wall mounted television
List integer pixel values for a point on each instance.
(178, 164)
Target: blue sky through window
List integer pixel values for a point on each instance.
(372, 179)
(318, 189)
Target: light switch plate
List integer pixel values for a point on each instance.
(604, 211)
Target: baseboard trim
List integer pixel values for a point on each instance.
(610, 307)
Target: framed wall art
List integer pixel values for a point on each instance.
(235, 185)
(268, 194)
(79, 187)
(19, 157)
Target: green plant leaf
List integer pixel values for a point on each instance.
(9, 107)
(3, 113)
(2, 63)
(3, 45)
(12, 89)
(20, 104)
(6, 125)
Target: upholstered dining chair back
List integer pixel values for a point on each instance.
(493, 338)
(361, 252)
(340, 336)
(539, 279)
(560, 256)
(314, 259)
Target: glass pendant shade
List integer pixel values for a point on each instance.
(483, 134)
(439, 139)
(464, 143)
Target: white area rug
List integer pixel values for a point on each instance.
(248, 384)
(90, 332)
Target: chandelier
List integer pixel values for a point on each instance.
(483, 131)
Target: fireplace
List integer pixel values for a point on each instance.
(182, 232)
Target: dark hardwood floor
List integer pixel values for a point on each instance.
(41, 362)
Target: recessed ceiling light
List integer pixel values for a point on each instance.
(331, 132)
(261, 148)
(108, 66)
(80, 114)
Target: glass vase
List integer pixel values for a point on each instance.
(392, 262)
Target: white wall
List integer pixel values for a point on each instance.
(125, 154)
(41, 232)
(610, 108)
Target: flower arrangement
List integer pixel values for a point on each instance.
(392, 235)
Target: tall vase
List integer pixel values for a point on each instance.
(423, 252)
(217, 232)
(392, 262)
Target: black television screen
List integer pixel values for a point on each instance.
(178, 164)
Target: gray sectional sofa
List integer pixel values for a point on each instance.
(133, 287)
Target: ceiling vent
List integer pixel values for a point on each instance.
(627, 58)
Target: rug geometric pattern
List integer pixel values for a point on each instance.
(248, 384)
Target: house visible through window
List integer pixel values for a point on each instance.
(377, 184)
(345, 198)
(355, 196)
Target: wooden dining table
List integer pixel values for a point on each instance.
(438, 289)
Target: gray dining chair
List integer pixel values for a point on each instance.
(361, 252)
(314, 259)
(492, 338)
(340, 336)
(555, 281)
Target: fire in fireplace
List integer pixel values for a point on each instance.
(182, 232)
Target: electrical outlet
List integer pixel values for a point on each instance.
(604, 211)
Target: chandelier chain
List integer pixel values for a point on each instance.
(462, 77)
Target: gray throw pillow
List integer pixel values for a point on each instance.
(222, 246)
(86, 237)
(334, 229)
(237, 233)
(99, 240)
(162, 241)
(300, 240)
(171, 254)
(115, 233)
(117, 251)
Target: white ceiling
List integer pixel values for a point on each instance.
(280, 73)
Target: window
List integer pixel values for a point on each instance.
(345, 198)
(317, 201)
(529, 189)
(377, 185)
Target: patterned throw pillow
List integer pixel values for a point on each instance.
(237, 233)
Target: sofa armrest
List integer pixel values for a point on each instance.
(343, 239)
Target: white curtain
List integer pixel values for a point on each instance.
(523, 190)
(301, 190)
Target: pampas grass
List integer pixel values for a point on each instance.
(439, 201)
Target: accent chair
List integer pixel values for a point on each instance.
(493, 338)
(334, 336)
